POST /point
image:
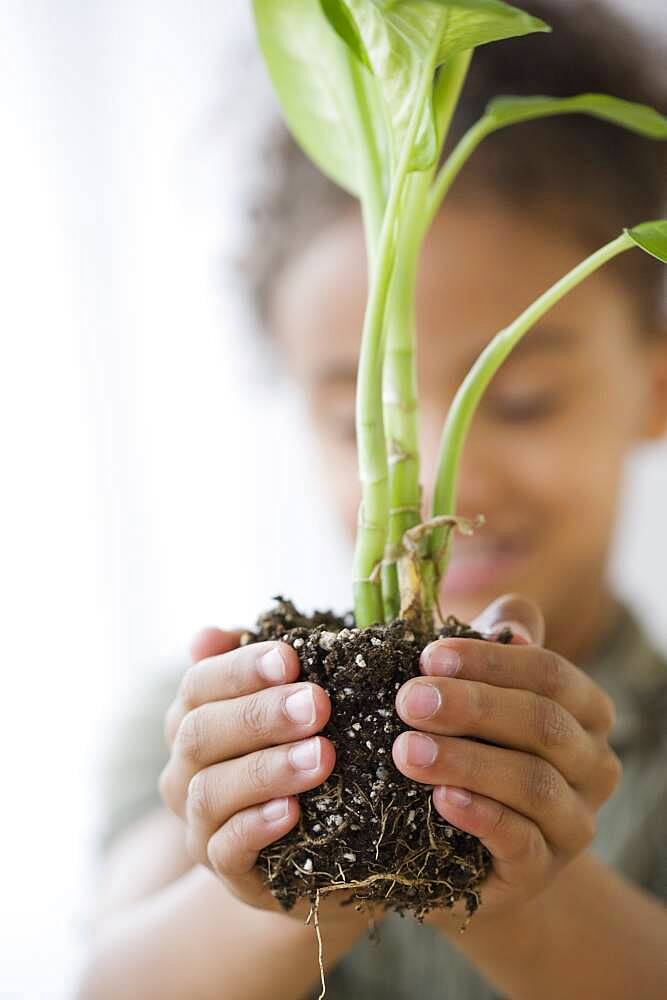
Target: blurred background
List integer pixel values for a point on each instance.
(130, 514)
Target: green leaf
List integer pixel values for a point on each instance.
(651, 237)
(395, 38)
(343, 22)
(317, 83)
(638, 118)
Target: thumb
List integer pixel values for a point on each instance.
(212, 642)
(517, 613)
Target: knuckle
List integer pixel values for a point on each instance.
(499, 824)
(224, 845)
(191, 736)
(259, 772)
(612, 771)
(554, 675)
(551, 723)
(218, 854)
(235, 675)
(255, 717)
(468, 762)
(606, 711)
(541, 784)
(166, 788)
(200, 800)
(532, 844)
(238, 834)
(480, 703)
(188, 691)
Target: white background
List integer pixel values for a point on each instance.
(135, 503)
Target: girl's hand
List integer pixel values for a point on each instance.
(532, 795)
(243, 745)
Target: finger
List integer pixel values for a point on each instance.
(519, 780)
(517, 719)
(232, 851)
(523, 667)
(521, 856)
(235, 673)
(222, 730)
(520, 614)
(218, 792)
(212, 642)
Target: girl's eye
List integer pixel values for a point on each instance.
(519, 408)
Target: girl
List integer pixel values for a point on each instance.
(566, 912)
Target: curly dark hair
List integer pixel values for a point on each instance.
(608, 177)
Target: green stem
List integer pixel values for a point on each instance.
(470, 393)
(401, 414)
(401, 417)
(373, 197)
(448, 91)
(374, 508)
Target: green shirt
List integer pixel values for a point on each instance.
(410, 960)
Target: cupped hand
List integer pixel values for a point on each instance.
(243, 741)
(530, 790)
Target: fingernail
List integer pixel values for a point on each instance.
(306, 756)
(300, 706)
(456, 796)
(441, 660)
(516, 628)
(422, 701)
(421, 750)
(275, 810)
(272, 666)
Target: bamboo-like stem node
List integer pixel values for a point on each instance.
(417, 598)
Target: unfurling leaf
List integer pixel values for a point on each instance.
(396, 37)
(651, 237)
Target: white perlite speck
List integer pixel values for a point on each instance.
(298, 643)
(327, 640)
(308, 865)
(376, 642)
(350, 856)
(411, 816)
(359, 660)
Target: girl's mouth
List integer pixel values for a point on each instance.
(477, 566)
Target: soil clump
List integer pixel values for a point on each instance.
(368, 832)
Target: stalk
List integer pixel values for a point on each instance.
(401, 418)
(373, 474)
(468, 397)
(401, 411)
(373, 198)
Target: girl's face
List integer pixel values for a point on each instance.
(545, 455)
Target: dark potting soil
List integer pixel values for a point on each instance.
(368, 832)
